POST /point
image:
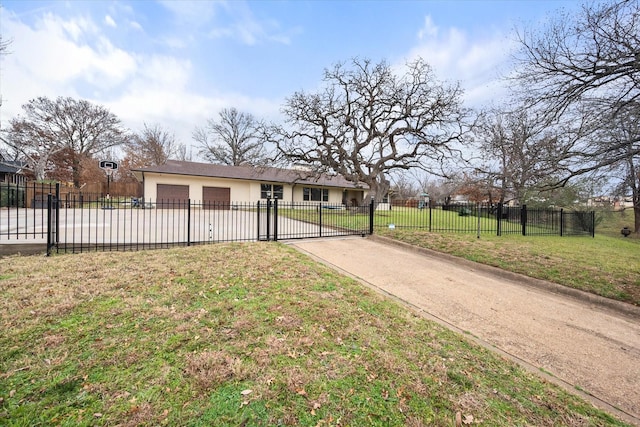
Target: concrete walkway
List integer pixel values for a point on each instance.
(585, 342)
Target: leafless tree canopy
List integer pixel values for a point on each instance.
(621, 141)
(368, 121)
(595, 55)
(49, 127)
(153, 146)
(232, 140)
(519, 153)
(586, 70)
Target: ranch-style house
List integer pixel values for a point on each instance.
(222, 184)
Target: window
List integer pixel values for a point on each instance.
(315, 194)
(269, 191)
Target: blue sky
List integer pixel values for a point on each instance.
(177, 63)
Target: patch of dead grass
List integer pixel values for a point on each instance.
(210, 369)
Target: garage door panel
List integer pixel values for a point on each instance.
(216, 197)
(172, 196)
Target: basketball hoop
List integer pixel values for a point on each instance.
(108, 166)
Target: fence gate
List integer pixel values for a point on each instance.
(278, 220)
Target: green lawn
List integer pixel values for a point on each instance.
(604, 265)
(242, 335)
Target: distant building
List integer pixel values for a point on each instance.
(11, 171)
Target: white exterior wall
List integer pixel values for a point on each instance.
(241, 190)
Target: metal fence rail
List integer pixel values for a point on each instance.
(482, 218)
(79, 222)
(299, 220)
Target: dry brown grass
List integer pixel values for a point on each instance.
(180, 337)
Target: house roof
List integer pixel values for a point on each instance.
(10, 166)
(252, 173)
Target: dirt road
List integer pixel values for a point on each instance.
(585, 343)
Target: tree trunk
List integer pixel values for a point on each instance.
(636, 214)
(75, 168)
(39, 169)
(377, 192)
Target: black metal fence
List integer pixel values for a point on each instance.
(482, 218)
(80, 222)
(88, 222)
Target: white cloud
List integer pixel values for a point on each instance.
(243, 26)
(193, 13)
(57, 56)
(110, 22)
(475, 61)
(429, 29)
(135, 25)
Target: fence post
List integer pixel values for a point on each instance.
(275, 220)
(371, 212)
(57, 215)
(561, 222)
(258, 220)
(320, 218)
(499, 220)
(593, 224)
(188, 222)
(523, 219)
(268, 219)
(49, 223)
(478, 205)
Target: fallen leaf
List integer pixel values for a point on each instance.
(301, 392)
(468, 419)
(97, 415)
(246, 392)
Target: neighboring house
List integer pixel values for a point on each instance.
(11, 172)
(211, 183)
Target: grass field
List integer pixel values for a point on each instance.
(435, 219)
(249, 334)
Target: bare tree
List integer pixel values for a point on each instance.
(368, 122)
(4, 45)
(48, 127)
(403, 187)
(623, 133)
(586, 68)
(233, 140)
(591, 55)
(153, 146)
(519, 153)
(35, 146)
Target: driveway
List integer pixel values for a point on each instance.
(585, 342)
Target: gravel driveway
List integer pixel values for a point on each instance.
(589, 345)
